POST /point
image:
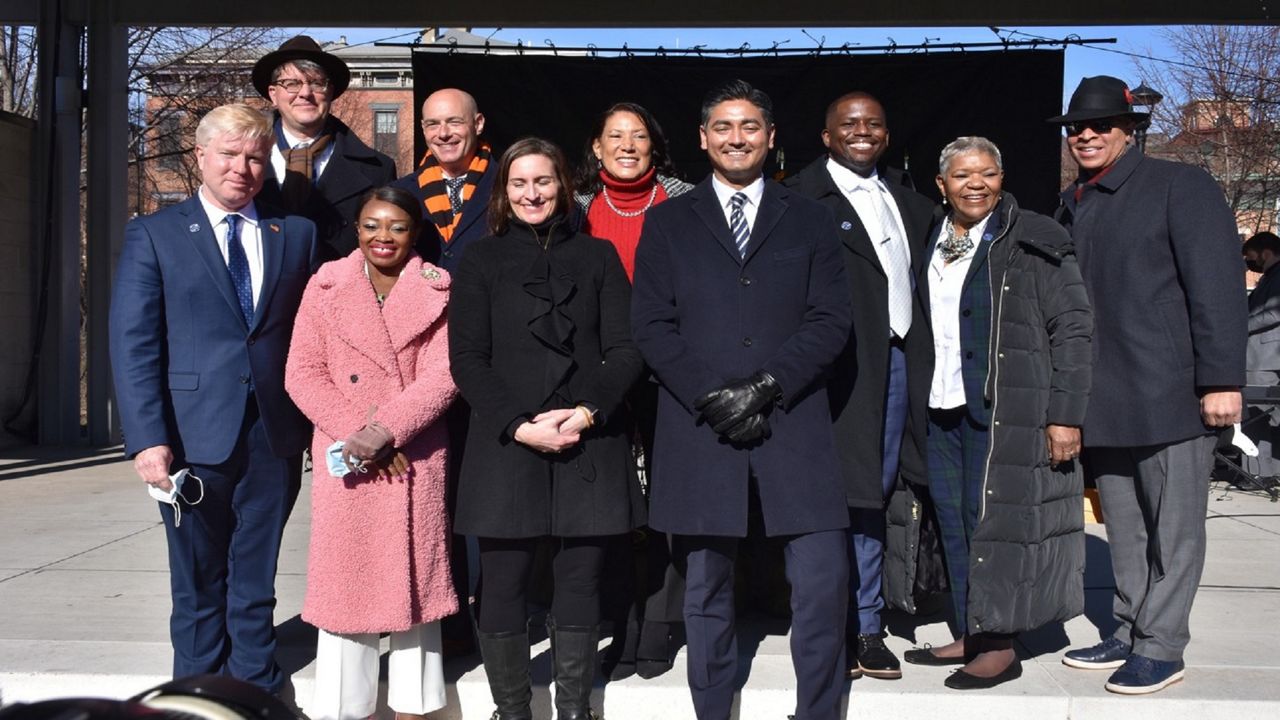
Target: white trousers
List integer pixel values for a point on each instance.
(347, 674)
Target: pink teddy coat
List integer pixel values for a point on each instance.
(379, 558)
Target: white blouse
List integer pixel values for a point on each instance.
(946, 281)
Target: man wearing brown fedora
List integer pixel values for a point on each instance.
(319, 168)
(1158, 249)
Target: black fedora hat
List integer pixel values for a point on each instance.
(1098, 97)
(301, 47)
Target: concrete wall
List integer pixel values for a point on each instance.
(20, 266)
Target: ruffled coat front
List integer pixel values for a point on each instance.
(379, 557)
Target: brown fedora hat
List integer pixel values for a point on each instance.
(301, 47)
(1099, 97)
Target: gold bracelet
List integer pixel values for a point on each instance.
(591, 421)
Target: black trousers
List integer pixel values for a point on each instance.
(507, 565)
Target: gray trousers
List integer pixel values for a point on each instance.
(1154, 502)
(1264, 432)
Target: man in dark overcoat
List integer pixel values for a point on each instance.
(740, 306)
(880, 384)
(319, 167)
(1262, 360)
(1161, 260)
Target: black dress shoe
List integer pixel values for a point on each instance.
(874, 659)
(925, 656)
(961, 680)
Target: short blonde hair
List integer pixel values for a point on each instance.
(235, 119)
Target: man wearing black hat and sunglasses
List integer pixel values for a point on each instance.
(1158, 249)
(319, 167)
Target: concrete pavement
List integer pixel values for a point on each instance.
(84, 607)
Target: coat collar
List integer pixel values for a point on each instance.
(417, 301)
(706, 205)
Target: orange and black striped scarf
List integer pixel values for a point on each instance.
(436, 194)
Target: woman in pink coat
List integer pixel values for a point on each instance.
(369, 365)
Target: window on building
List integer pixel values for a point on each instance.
(168, 148)
(386, 132)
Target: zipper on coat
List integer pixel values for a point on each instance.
(993, 369)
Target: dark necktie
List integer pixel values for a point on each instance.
(738, 223)
(238, 266)
(455, 192)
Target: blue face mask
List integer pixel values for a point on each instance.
(174, 494)
(337, 467)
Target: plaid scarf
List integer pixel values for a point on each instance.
(436, 194)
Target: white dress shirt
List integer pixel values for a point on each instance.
(279, 164)
(946, 280)
(250, 238)
(725, 194)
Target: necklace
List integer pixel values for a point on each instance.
(653, 194)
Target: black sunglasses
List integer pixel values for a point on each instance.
(1102, 127)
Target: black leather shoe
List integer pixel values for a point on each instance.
(1110, 653)
(925, 656)
(875, 660)
(961, 680)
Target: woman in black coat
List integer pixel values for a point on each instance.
(540, 344)
(1005, 411)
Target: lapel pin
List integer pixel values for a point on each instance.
(846, 225)
(193, 227)
(274, 227)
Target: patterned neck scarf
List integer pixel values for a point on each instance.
(952, 247)
(440, 209)
(300, 163)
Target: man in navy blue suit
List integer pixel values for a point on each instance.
(740, 306)
(201, 317)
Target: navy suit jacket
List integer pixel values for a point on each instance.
(703, 316)
(182, 355)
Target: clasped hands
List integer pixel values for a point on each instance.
(553, 431)
(372, 447)
(739, 411)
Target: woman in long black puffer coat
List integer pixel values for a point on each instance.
(1013, 365)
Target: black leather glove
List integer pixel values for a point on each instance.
(730, 405)
(754, 429)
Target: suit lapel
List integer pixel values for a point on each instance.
(341, 178)
(272, 260)
(200, 234)
(772, 205)
(853, 232)
(476, 207)
(707, 207)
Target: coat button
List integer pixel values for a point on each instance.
(744, 280)
(355, 378)
(746, 342)
(250, 341)
(966, 312)
(448, 253)
(1000, 355)
(968, 355)
(244, 379)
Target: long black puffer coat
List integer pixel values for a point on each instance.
(1027, 550)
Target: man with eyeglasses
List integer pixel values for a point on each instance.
(319, 167)
(1159, 252)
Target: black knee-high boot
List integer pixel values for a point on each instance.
(573, 656)
(506, 663)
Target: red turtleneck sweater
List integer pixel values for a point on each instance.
(629, 197)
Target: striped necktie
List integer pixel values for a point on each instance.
(238, 266)
(738, 223)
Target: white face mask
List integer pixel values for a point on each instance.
(174, 494)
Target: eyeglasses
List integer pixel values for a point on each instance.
(293, 86)
(1102, 127)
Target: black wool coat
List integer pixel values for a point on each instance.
(353, 169)
(1026, 566)
(859, 377)
(538, 320)
(1160, 256)
(704, 316)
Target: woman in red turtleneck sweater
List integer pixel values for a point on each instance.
(626, 171)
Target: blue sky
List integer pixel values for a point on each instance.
(1080, 61)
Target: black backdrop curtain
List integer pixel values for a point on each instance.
(930, 99)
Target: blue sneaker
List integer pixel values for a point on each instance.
(1108, 654)
(1141, 675)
